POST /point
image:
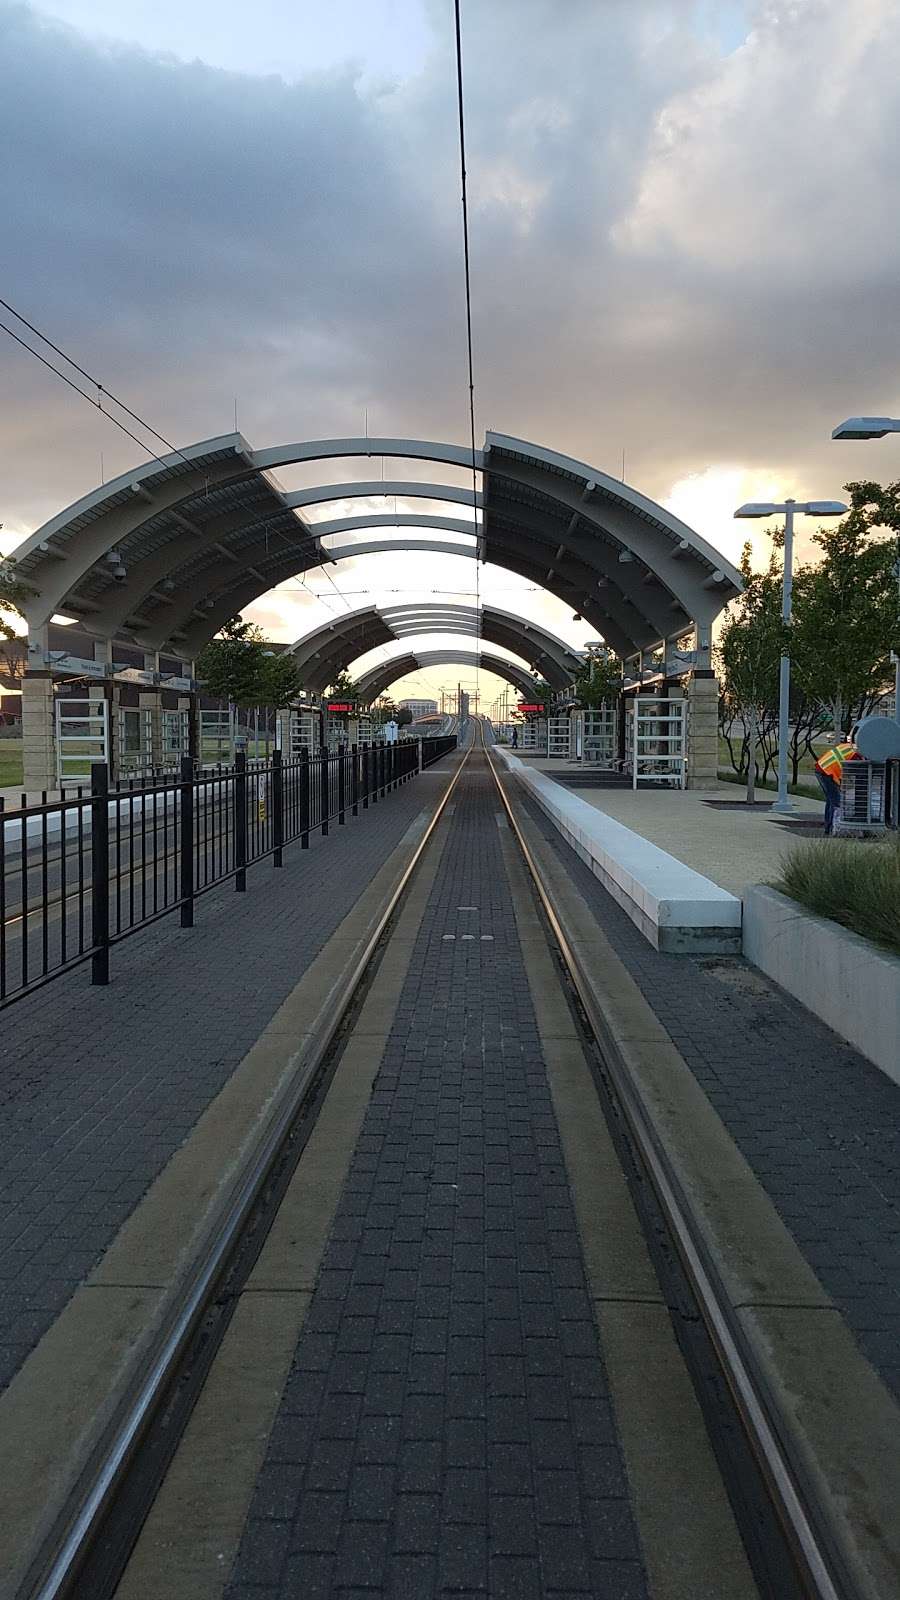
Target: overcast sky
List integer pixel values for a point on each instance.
(684, 236)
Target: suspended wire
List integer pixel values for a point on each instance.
(101, 388)
(78, 390)
(468, 278)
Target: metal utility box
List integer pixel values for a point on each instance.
(862, 798)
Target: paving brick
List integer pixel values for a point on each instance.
(462, 1440)
(822, 1137)
(95, 1096)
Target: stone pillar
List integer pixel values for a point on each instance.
(38, 733)
(702, 730)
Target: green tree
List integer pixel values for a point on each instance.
(599, 681)
(404, 717)
(749, 652)
(238, 667)
(846, 616)
(279, 679)
(343, 688)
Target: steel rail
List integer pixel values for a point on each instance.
(815, 1568)
(58, 1569)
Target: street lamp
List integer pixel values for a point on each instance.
(866, 428)
(876, 428)
(788, 509)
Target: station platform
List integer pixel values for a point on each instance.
(713, 831)
(438, 1379)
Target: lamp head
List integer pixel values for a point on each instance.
(758, 508)
(825, 508)
(866, 428)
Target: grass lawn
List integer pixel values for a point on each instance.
(10, 762)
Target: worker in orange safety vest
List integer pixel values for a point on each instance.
(829, 767)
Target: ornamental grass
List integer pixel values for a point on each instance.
(855, 884)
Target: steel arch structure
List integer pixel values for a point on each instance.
(337, 643)
(377, 679)
(164, 554)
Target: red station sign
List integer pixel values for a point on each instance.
(525, 709)
(340, 705)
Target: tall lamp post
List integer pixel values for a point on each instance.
(877, 428)
(783, 804)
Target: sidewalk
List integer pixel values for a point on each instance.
(101, 1086)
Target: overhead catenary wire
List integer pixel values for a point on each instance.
(468, 285)
(89, 377)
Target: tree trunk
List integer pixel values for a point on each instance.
(751, 758)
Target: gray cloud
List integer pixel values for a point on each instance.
(692, 257)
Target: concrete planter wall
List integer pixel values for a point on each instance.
(847, 981)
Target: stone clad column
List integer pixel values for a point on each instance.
(38, 732)
(702, 730)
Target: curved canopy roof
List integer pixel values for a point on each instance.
(332, 647)
(166, 553)
(377, 679)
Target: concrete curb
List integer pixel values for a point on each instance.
(840, 977)
(676, 908)
(839, 1423)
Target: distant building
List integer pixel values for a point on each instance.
(421, 708)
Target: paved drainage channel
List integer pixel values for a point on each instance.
(767, 1549)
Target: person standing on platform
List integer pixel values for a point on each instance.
(829, 768)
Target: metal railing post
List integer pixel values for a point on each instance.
(342, 784)
(100, 872)
(376, 767)
(354, 779)
(304, 799)
(323, 790)
(366, 775)
(421, 745)
(277, 807)
(383, 784)
(240, 820)
(186, 841)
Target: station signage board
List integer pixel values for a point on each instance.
(339, 706)
(528, 707)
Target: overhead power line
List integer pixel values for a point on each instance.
(96, 402)
(468, 280)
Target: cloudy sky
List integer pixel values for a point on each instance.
(684, 238)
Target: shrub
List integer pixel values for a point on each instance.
(857, 885)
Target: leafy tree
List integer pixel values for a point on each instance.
(846, 613)
(279, 680)
(599, 681)
(404, 717)
(236, 666)
(749, 652)
(343, 688)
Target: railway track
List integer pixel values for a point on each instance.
(787, 1534)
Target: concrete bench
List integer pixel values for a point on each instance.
(676, 908)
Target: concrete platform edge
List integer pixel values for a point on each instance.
(675, 908)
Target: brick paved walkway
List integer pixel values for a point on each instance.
(446, 1428)
(819, 1125)
(98, 1087)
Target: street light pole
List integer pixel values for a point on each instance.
(877, 428)
(783, 804)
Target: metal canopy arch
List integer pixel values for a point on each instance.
(378, 678)
(335, 644)
(209, 522)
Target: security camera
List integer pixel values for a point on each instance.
(120, 574)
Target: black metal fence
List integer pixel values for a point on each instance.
(79, 874)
